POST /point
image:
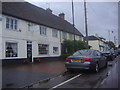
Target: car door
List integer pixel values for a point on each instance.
(102, 59)
(97, 58)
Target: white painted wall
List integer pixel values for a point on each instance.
(94, 44)
(23, 35)
(22, 48)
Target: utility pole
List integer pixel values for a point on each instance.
(115, 40)
(73, 24)
(86, 27)
(109, 35)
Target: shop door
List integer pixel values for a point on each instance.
(29, 51)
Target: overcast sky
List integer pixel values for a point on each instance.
(102, 16)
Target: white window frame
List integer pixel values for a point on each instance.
(70, 36)
(64, 35)
(11, 52)
(44, 49)
(43, 30)
(55, 33)
(54, 51)
(11, 23)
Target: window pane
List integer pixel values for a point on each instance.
(64, 35)
(83, 53)
(43, 30)
(15, 24)
(70, 36)
(7, 23)
(54, 33)
(11, 26)
(15, 27)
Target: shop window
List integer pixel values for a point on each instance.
(11, 49)
(43, 49)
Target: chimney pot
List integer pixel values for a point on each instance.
(62, 15)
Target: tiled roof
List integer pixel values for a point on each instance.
(92, 38)
(32, 13)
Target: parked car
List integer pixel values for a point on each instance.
(119, 51)
(109, 54)
(87, 59)
(116, 52)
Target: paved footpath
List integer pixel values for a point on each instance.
(24, 75)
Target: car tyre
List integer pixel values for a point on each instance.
(106, 65)
(96, 69)
(69, 70)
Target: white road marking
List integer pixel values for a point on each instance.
(103, 81)
(65, 81)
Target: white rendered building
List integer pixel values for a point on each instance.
(31, 33)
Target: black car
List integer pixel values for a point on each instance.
(88, 59)
(110, 54)
(118, 51)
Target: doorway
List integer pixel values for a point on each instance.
(29, 50)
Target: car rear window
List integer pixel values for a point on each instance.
(106, 52)
(83, 53)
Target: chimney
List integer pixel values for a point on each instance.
(49, 10)
(62, 15)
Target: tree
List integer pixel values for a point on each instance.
(71, 46)
(111, 44)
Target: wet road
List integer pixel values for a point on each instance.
(51, 75)
(106, 78)
(113, 80)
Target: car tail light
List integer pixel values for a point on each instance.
(87, 59)
(68, 59)
(109, 54)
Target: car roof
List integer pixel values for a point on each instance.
(89, 49)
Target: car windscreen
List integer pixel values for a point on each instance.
(112, 51)
(83, 53)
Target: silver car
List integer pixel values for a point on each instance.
(86, 59)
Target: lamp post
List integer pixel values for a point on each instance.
(109, 31)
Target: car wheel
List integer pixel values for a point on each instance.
(70, 70)
(112, 58)
(96, 67)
